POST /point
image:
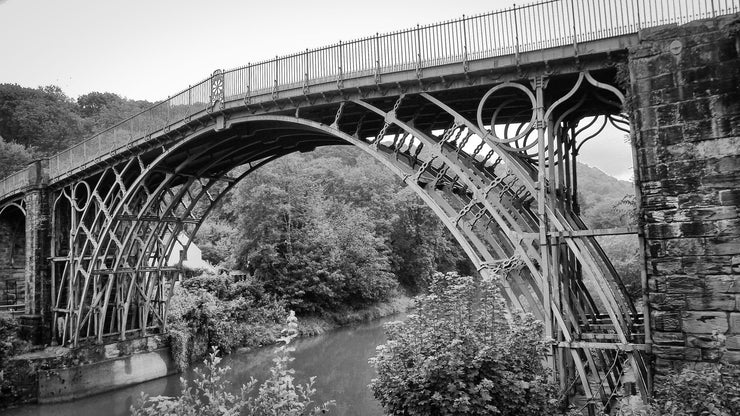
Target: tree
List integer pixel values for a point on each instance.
(420, 244)
(214, 241)
(43, 119)
(102, 110)
(316, 249)
(13, 157)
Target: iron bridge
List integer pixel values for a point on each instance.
(483, 116)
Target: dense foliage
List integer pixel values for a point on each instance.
(13, 157)
(708, 389)
(329, 231)
(228, 315)
(701, 391)
(211, 393)
(44, 120)
(10, 343)
(462, 354)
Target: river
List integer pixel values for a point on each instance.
(338, 359)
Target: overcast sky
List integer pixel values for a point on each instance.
(149, 49)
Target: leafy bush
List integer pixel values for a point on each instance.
(211, 394)
(10, 343)
(238, 318)
(710, 391)
(215, 284)
(461, 355)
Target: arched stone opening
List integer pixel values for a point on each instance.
(12, 258)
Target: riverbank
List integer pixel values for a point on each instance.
(338, 359)
(190, 344)
(312, 326)
(25, 373)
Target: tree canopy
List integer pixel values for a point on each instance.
(45, 120)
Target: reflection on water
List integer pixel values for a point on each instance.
(338, 359)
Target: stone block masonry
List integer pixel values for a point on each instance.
(685, 107)
(37, 321)
(58, 374)
(12, 262)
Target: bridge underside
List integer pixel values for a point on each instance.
(507, 193)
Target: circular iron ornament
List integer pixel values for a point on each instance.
(491, 134)
(217, 86)
(80, 196)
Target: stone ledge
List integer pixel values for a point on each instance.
(63, 384)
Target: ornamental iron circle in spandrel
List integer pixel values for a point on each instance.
(81, 196)
(217, 87)
(521, 132)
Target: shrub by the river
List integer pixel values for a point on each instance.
(210, 393)
(461, 354)
(223, 315)
(712, 390)
(10, 343)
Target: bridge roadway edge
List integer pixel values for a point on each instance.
(591, 55)
(685, 110)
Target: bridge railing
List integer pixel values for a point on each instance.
(16, 181)
(536, 26)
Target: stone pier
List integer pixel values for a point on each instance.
(685, 108)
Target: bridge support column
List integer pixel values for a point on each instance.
(685, 84)
(35, 322)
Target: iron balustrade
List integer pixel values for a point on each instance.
(16, 181)
(536, 26)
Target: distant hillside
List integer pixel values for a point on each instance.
(600, 195)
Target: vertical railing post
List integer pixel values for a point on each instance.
(190, 104)
(466, 67)
(516, 35)
(377, 59)
(418, 52)
(575, 31)
(714, 11)
(223, 85)
(340, 76)
(305, 74)
(248, 95)
(275, 85)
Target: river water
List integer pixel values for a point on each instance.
(338, 359)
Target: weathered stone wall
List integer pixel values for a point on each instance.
(24, 375)
(36, 322)
(685, 105)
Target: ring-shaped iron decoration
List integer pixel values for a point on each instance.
(491, 134)
(76, 193)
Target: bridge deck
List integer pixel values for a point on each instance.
(499, 43)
